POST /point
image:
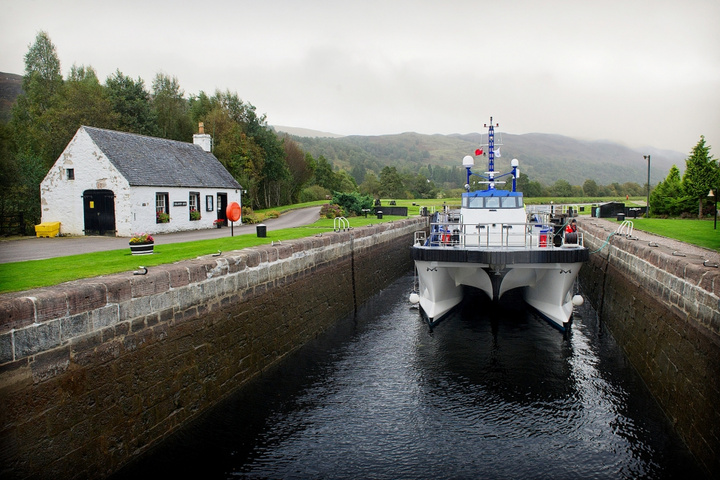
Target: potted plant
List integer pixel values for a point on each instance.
(162, 217)
(142, 243)
(194, 214)
(219, 222)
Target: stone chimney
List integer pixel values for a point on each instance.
(202, 139)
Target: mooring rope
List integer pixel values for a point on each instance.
(607, 240)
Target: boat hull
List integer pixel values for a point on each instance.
(546, 277)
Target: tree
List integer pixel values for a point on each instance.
(131, 102)
(701, 173)
(41, 84)
(171, 109)
(324, 175)
(371, 185)
(42, 78)
(668, 197)
(82, 100)
(391, 185)
(562, 188)
(590, 188)
(301, 166)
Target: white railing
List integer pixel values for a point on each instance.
(625, 228)
(340, 224)
(498, 235)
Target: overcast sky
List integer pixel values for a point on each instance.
(638, 72)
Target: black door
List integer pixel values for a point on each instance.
(222, 204)
(99, 206)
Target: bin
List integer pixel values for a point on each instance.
(620, 217)
(261, 230)
(379, 214)
(47, 229)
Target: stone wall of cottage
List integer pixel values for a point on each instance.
(62, 201)
(61, 198)
(664, 311)
(95, 372)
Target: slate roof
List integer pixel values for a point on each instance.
(158, 162)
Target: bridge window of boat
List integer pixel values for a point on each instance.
(493, 202)
(511, 202)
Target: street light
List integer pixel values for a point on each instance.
(647, 211)
(713, 195)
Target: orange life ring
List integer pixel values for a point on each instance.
(233, 212)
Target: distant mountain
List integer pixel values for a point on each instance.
(544, 158)
(304, 132)
(10, 88)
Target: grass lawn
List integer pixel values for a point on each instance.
(697, 232)
(29, 274)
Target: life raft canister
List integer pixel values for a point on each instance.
(233, 212)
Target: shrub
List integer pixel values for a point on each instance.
(331, 211)
(253, 218)
(314, 193)
(194, 214)
(272, 214)
(353, 202)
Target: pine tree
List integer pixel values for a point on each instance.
(701, 173)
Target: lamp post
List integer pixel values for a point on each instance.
(713, 195)
(647, 210)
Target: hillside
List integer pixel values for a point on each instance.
(543, 157)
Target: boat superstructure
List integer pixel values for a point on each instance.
(493, 244)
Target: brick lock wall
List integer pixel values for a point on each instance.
(94, 372)
(663, 311)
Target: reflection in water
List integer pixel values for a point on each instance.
(493, 391)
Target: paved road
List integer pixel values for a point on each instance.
(33, 248)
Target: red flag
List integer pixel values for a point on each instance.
(478, 151)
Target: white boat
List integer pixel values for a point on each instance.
(493, 244)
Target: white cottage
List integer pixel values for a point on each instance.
(116, 183)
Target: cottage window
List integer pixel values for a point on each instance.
(194, 204)
(70, 174)
(162, 208)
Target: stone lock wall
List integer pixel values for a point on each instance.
(664, 311)
(94, 372)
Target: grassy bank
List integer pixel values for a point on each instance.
(18, 276)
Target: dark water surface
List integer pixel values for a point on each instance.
(492, 392)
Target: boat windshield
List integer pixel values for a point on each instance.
(492, 202)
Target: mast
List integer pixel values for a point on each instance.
(491, 155)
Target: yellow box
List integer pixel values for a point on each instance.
(47, 229)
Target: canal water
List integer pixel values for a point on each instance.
(494, 391)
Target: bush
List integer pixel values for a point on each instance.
(353, 202)
(331, 211)
(314, 193)
(272, 214)
(253, 218)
